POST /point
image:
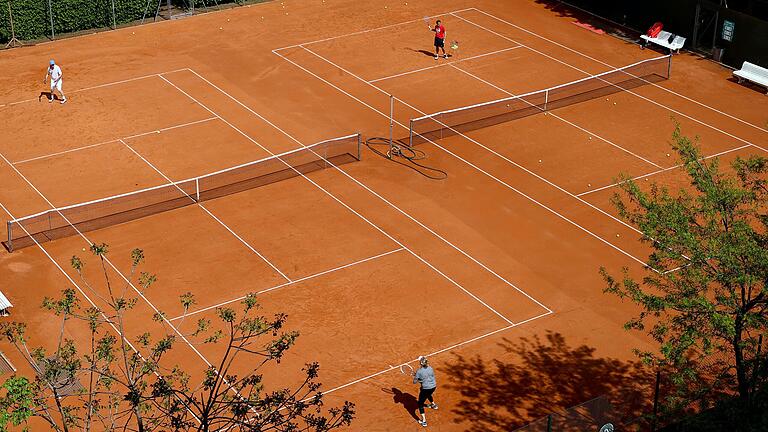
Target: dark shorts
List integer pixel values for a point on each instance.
(439, 43)
(424, 395)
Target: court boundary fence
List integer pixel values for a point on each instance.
(71, 220)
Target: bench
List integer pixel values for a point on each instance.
(663, 38)
(754, 73)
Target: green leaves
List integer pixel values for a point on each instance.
(17, 402)
(703, 295)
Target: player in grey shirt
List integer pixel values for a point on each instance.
(425, 376)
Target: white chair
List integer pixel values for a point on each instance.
(753, 73)
(663, 39)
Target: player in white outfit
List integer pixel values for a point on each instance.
(54, 71)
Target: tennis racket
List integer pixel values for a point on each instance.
(406, 369)
(426, 21)
(455, 45)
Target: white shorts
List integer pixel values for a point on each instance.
(56, 85)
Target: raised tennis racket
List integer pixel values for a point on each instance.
(406, 369)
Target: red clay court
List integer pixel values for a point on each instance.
(374, 263)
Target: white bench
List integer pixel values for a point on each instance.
(754, 73)
(663, 38)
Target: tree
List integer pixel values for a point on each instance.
(118, 382)
(703, 297)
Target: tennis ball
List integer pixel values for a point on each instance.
(614, 103)
(539, 160)
(590, 137)
(133, 33)
(221, 28)
(617, 235)
(667, 154)
(589, 184)
(83, 249)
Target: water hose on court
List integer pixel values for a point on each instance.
(402, 154)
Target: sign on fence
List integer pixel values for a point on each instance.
(728, 28)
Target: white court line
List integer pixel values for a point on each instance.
(251, 248)
(609, 65)
(108, 261)
(293, 282)
(662, 170)
(550, 113)
(371, 30)
(114, 141)
(443, 64)
(366, 187)
(503, 183)
(440, 351)
(335, 198)
(96, 86)
(625, 91)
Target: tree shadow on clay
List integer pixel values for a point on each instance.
(537, 377)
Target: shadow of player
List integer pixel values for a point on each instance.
(47, 95)
(425, 52)
(407, 400)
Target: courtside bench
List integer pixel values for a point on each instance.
(663, 39)
(753, 73)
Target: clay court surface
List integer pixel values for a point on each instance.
(373, 263)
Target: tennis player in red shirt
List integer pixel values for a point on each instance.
(439, 30)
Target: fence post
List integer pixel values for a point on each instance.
(655, 401)
(756, 362)
(549, 423)
(50, 13)
(114, 20)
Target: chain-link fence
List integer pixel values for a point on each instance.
(34, 20)
(596, 415)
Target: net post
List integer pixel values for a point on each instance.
(410, 134)
(10, 236)
(197, 189)
(669, 66)
(359, 146)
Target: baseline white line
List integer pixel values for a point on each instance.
(376, 194)
(293, 282)
(113, 141)
(662, 170)
(444, 64)
(625, 91)
(96, 86)
(507, 185)
(440, 351)
(370, 30)
(609, 65)
(245, 243)
(355, 212)
(550, 113)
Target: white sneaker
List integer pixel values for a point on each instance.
(63, 101)
(422, 422)
(437, 57)
(445, 55)
(433, 406)
(50, 100)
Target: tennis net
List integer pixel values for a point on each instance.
(452, 122)
(88, 216)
